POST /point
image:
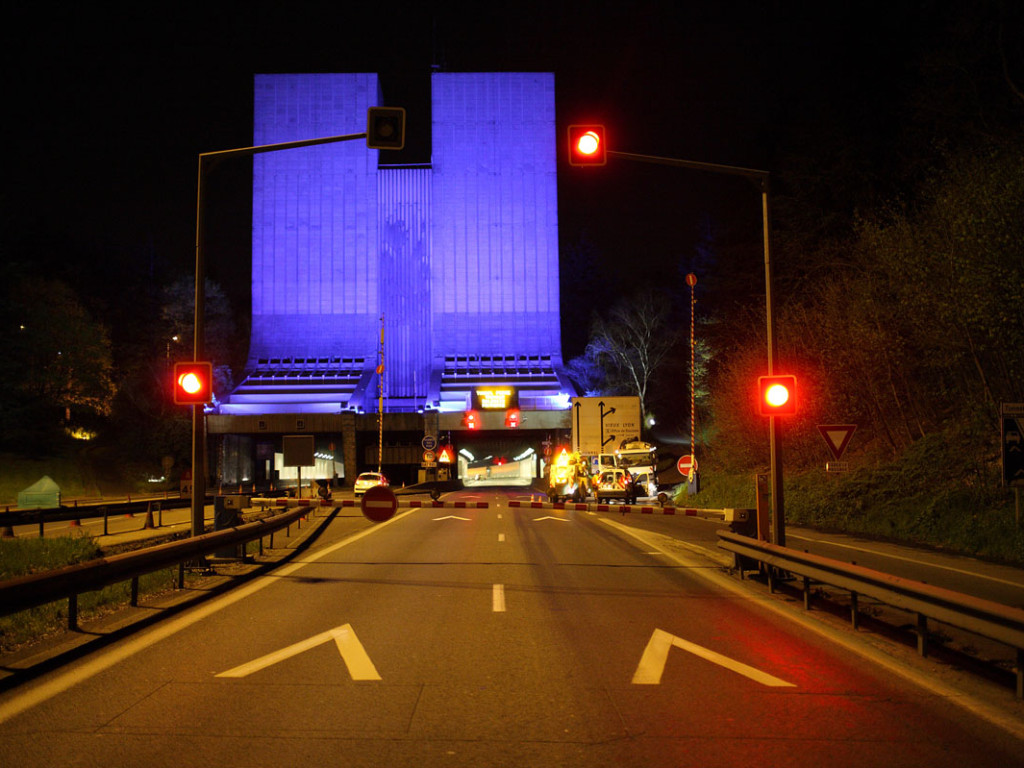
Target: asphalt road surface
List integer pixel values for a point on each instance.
(489, 637)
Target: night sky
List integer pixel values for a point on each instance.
(108, 108)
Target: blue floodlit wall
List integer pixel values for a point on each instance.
(459, 257)
(404, 226)
(314, 234)
(495, 214)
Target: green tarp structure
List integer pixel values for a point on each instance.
(42, 493)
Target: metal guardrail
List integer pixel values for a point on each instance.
(40, 588)
(986, 618)
(62, 513)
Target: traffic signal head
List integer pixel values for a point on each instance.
(587, 145)
(193, 383)
(512, 418)
(776, 395)
(471, 420)
(385, 128)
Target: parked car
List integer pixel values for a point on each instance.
(368, 480)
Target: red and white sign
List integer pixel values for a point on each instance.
(684, 464)
(837, 437)
(379, 503)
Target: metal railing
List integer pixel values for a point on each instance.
(70, 581)
(986, 618)
(63, 513)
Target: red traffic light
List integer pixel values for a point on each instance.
(587, 145)
(512, 418)
(776, 395)
(471, 420)
(193, 383)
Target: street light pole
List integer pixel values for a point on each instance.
(198, 413)
(774, 425)
(774, 436)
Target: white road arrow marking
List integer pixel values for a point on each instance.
(352, 651)
(560, 519)
(652, 663)
(450, 517)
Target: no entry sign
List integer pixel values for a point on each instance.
(684, 465)
(379, 503)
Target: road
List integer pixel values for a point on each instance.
(488, 637)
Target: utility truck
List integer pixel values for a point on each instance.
(641, 460)
(569, 478)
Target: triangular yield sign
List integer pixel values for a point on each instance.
(837, 437)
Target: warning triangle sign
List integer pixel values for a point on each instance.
(837, 437)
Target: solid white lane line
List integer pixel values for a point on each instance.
(915, 561)
(498, 598)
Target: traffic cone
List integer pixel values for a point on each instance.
(149, 517)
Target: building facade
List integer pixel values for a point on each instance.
(426, 292)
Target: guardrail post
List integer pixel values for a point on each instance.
(72, 613)
(41, 534)
(1020, 673)
(807, 594)
(106, 517)
(134, 602)
(853, 610)
(922, 634)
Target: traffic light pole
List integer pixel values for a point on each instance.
(774, 436)
(198, 413)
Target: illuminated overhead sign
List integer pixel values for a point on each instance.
(494, 398)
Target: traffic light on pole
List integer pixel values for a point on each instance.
(587, 145)
(776, 395)
(385, 128)
(193, 383)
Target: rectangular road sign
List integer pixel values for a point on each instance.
(1012, 441)
(600, 424)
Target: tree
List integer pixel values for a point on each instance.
(633, 343)
(178, 314)
(61, 355)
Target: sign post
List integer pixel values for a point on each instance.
(298, 452)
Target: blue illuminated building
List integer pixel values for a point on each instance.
(459, 258)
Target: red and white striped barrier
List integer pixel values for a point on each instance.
(645, 510)
(286, 502)
(423, 503)
(445, 504)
